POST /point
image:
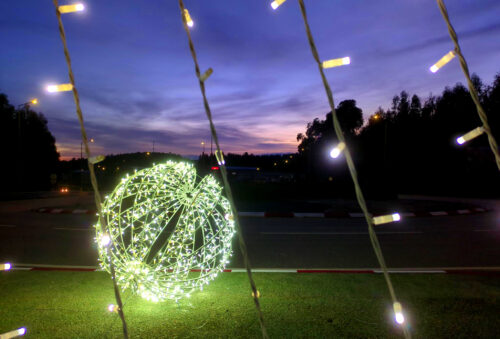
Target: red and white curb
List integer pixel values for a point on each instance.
(475, 210)
(433, 270)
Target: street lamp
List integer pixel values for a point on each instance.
(21, 109)
(203, 145)
(81, 163)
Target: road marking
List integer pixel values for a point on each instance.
(56, 210)
(356, 215)
(332, 233)
(251, 214)
(479, 209)
(438, 213)
(463, 211)
(79, 211)
(7, 225)
(72, 229)
(408, 214)
(309, 215)
(410, 271)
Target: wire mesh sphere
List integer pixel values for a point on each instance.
(170, 231)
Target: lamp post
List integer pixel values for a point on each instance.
(22, 108)
(203, 145)
(81, 163)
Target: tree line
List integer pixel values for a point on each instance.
(411, 146)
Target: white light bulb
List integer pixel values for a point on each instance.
(105, 240)
(396, 217)
(400, 318)
(335, 152)
(5, 267)
(398, 313)
(276, 3)
(52, 88)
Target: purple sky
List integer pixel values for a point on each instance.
(136, 77)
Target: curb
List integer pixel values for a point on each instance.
(435, 270)
(271, 214)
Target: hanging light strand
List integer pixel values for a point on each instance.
(472, 90)
(223, 170)
(85, 139)
(350, 163)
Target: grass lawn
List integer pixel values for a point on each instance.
(73, 305)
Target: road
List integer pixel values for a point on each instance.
(446, 241)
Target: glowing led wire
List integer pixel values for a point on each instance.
(205, 75)
(398, 313)
(336, 62)
(470, 135)
(71, 8)
(59, 88)
(12, 334)
(163, 222)
(443, 61)
(384, 219)
(189, 21)
(5, 267)
(335, 152)
(276, 3)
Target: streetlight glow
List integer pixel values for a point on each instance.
(34, 101)
(71, 8)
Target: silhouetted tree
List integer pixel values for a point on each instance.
(28, 148)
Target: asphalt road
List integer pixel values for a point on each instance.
(445, 241)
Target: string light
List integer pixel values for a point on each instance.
(113, 308)
(470, 135)
(336, 62)
(105, 240)
(220, 158)
(163, 222)
(205, 75)
(443, 61)
(398, 313)
(276, 3)
(189, 21)
(97, 159)
(71, 8)
(384, 219)
(5, 267)
(59, 88)
(12, 334)
(335, 152)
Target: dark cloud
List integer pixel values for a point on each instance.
(442, 39)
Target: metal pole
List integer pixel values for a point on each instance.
(81, 166)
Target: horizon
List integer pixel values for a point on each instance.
(136, 79)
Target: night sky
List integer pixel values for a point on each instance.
(137, 83)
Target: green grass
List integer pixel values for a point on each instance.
(73, 305)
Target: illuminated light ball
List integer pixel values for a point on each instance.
(170, 231)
